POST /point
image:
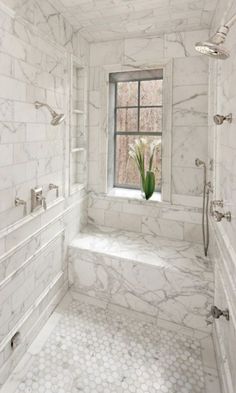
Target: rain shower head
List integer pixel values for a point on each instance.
(213, 50)
(213, 47)
(199, 162)
(57, 118)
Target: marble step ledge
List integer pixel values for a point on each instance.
(164, 278)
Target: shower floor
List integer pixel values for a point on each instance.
(92, 349)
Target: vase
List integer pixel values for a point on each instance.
(149, 185)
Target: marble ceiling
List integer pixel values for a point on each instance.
(101, 20)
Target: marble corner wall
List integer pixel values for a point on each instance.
(36, 44)
(222, 148)
(189, 109)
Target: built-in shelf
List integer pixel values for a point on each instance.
(78, 129)
(78, 111)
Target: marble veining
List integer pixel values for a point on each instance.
(222, 148)
(36, 46)
(164, 278)
(109, 19)
(86, 348)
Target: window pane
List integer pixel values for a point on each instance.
(127, 119)
(151, 92)
(150, 120)
(127, 94)
(127, 173)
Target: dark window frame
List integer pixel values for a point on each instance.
(132, 133)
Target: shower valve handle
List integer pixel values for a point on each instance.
(218, 202)
(42, 199)
(219, 216)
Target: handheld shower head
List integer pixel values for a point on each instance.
(57, 118)
(219, 119)
(199, 163)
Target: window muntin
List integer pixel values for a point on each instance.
(137, 113)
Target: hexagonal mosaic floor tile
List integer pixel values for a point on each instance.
(92, 350)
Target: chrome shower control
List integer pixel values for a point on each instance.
(21, 202)
(54, 187)
(37, 199)
(219, 119)
(218, 216)
(218, 202)
(217, 313)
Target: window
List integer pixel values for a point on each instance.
(137, 112)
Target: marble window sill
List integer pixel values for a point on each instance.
(132, 194)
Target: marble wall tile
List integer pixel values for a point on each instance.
(138, 49)
(190, 105)
(106, 53)
(222, 149)
(162, 227)
(190, 70)
(124, 221)
(34, 54)
(172, 221)
(187, 181)
(189, 142)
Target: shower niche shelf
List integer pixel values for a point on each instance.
(78, 126)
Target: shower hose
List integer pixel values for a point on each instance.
(205, 217)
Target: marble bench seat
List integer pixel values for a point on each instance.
(171, 280)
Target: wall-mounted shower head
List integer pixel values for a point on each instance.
(213, 50)
(212, 47)
(199, 162)
(57, 118)
(219, 119)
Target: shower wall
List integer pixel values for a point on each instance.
(35, 48)
(222, 148)
(189, 114)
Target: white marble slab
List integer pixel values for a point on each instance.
(164, 278)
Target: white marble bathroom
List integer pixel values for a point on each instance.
(117, 196)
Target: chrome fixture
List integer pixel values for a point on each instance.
(57, 118)
(219, 119)
(216, 203)
(37, 199)
(207, 188)
(21, 202)
(213, 47)
(54, 187)
(218, 216)
(199, 163)
(216, 313)
(15, 340)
